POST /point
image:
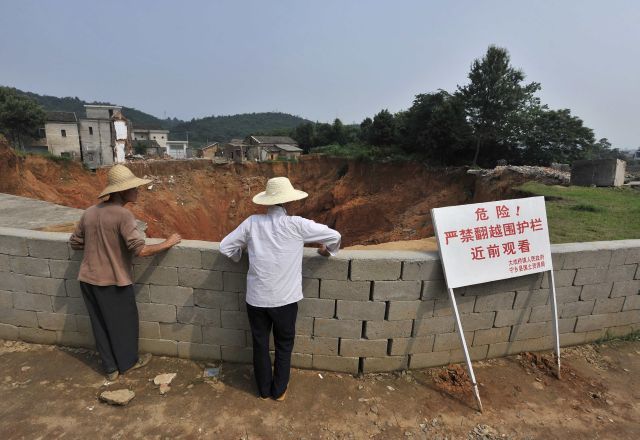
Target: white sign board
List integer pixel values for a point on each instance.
(491, 241)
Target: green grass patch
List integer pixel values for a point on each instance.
(633, 337)
(580, 214)
(364, 152)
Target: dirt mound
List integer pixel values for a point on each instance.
(453, 379)
(369, 203)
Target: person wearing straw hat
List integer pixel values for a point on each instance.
(109, 235)
(274, 242)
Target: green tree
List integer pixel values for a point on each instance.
(365, 130)
(495, 99)
(305, 134)
(339, 132)
(20, 116)
(383, 129)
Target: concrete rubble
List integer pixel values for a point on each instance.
(118, 397)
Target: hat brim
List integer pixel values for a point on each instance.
(264, 199)
(123, 186)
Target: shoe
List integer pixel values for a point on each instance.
(142, 361)
(113, 375)
(264, 398)
(282, 396)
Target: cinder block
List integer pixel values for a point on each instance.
(590, 275)
(235, 320)
(388, 329)
(337, 328)
(443, 307)
(625, 288)
(316, 345)
(38, 267)
(595, 258)
(633, 256)
(216, 300)
(311, 289)
(75, 255)
(495, 301)
(66, 269)
(422, 270)
(237, 354)
(37, 335)
(527, 282)
(432, 326)
(199, 279)
(340, 364)
(477, 321)
(325, 268)
(175, 257)
(318, 308)
(387, 363)
(19, 318)
(507, 318)
(597, 322)
(631, 303)
(349, 290)
(568, 294)
(46, 286)
(360, 310)
(214, 260)
(619, 331)
(451, 341)
(73, 306)
(38, 248)
(142, 291)
(158, 346)
(149, 330)
(607, 305)
(428, 360)
(181, 332)
(13, 245)
(299, 360)
(5, 265)
(525, 298)
(566, 325)
(376, 270)
(401, 310)
(491, 336)
(363, 347)
(475, 353)
(593, 291)
(543, 313)
(618, 257)
(8, 332)
(199, 316)
(178, 296)
(621, 273)
(73, 290)
(84, 324)
(13, 282)
(234, 282)
(157, 312)
(189, 350)
(420, 344)
(165, 276)
(304, 325)
(33, 302)
(75, 339)
(434, 290)
(569, 339)
(224, 336)
(6, 300)
(562, 278)
(56, 321)
(396, 290)
(530, 331)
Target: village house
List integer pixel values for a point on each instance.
(272, 148)
(210, 151)
(61, 134)
(97, 135)
(161, 136)
(178, 149)
(235, 150)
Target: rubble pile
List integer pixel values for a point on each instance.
(540, 174)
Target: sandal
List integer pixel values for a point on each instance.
(142, 361)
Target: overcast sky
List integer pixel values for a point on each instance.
(324, 59)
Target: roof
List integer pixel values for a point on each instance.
(103, 106)
(215, 144)
(61, 117)
(274, 140)
(237, 143)
(289, 148)
(147, 128)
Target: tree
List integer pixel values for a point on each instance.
(365, 130)
(383, 129)
(19, 116)
(305, 135)
(339, 133)
(495, 99)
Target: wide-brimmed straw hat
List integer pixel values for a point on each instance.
(121, 179)
(279, 190)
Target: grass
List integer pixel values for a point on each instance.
(633, 336)
(580, 214)
(364, 152)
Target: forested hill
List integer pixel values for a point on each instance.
(208, 129)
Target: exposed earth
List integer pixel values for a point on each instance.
(368, 203)
(52, 392)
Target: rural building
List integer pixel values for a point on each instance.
(148, 148)
(177, 149)
(61, 134)
(97, 135)
(272, 148)
(235, 150)
(161, 136)
(210, 151)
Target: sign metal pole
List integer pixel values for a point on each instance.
(556, 332)
(464, 348)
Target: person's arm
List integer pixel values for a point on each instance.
(313, 232)
(135, 241)
(77, 238)
(151, 249)
(232, 245)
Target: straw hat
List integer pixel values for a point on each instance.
(279, 190)
(121, 179)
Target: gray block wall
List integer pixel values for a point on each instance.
(362, 311)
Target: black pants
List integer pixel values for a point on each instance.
(283, 321)
(114, 319)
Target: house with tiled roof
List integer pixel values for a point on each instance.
(272, 148)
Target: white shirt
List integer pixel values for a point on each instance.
(275, 242)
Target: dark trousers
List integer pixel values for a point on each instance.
(283, 321)
(114, 320)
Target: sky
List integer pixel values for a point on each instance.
(322, 60)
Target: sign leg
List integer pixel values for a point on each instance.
(554, 309)
(466, 351)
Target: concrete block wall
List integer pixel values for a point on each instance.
(362, 311)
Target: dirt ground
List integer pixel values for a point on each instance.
(51, 392)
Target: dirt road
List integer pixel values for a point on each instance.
(51, 392)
